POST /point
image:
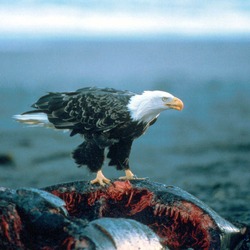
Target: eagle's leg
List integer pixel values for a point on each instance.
(100, 179)
(119, 155)
(90, 154)
(128, 175)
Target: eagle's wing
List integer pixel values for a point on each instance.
(87, 109)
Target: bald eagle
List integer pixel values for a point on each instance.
(106, 117)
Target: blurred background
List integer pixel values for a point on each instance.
(197, 50)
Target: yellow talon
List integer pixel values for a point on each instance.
(100, 179)
(130, 176)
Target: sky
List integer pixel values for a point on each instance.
(124, 18)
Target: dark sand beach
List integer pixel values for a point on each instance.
(205, 149)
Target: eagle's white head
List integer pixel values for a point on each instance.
(148, 105)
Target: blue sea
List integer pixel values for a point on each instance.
(211, 77)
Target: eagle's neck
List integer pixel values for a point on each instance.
(142, 109)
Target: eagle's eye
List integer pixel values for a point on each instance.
(164, 99)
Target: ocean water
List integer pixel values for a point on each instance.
(204, 149)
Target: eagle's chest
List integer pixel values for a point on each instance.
(130, 130)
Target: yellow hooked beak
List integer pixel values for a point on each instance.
(176, 103)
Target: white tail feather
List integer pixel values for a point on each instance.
(35, 119)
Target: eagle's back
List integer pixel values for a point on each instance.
(87, 109)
